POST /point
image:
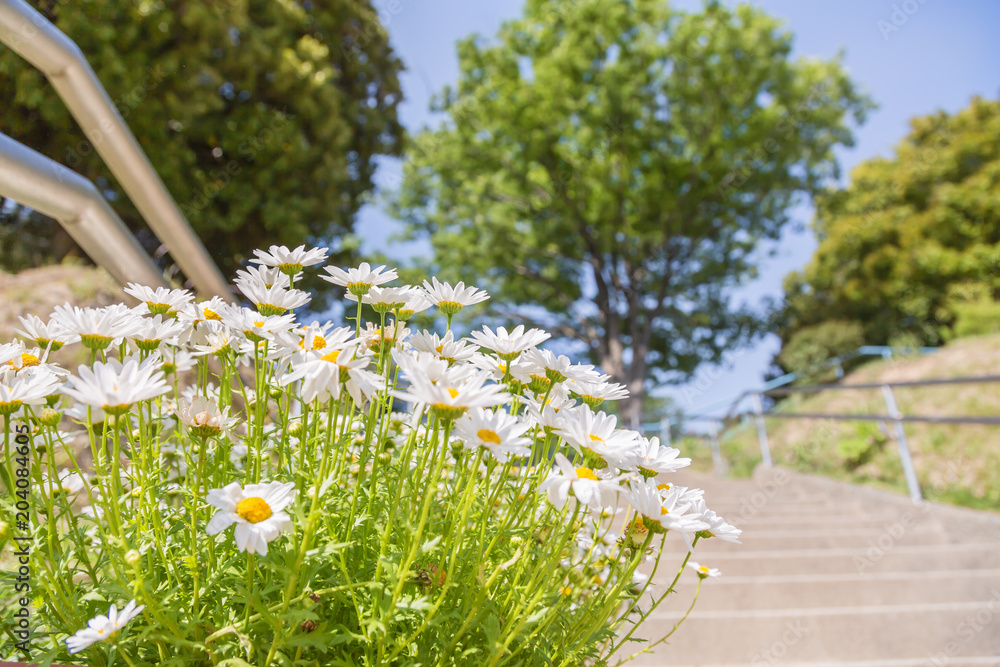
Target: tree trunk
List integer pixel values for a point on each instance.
(631, 407)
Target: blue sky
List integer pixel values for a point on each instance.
(913, 57)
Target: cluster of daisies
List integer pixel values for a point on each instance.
(495, 393)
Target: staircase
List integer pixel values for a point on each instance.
(833, 575)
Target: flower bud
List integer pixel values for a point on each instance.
(49, 417)
(133, 557)
(296, 428)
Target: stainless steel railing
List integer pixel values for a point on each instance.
(35, 39)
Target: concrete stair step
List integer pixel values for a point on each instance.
(972, 661)
(832, 575)
(837, 590)
(782, 636)
(833, 522)
(898, 558)
(766, 541)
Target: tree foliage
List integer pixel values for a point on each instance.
(612, 167)
(809, 348)
(262, 118)
(914, 241)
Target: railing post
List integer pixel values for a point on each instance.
(665, 431)
(717, 461)
(765, 446)
(912, 483)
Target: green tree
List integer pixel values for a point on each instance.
(809, 348)
(262, 118)
(914, 241)
(608, 169)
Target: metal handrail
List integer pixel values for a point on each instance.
(34, 38)
(815, 388)
(893, 415)
(48, 187)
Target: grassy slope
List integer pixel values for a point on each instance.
(959, 464)
(38, 291)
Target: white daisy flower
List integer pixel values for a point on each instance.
(176, 359)
(444, 347)
(262, 276)
(289, 262)
(213, 338)
(102, 628)
(66, 482)
(205, 311)
(651, 459)
(557, 368)
(509, 346)
(416, 301)
(582, 483)
(384, 299)
(51, 335)
(273, 300)
(432, 368)
(97, 327)
(160, 301)
(498, 431)
(717, 526)
(596, 432)
(704, 571)
(257, 511)
(449, 399)
(257, 327)
(203, 417)
(379, 339)
(667, 511)
(318, 337)
(450, 299)
(595, 393)
(550, 416)
(324, 377)
(114, 386)
(18, 356)
(151, 331)
(360, 280)
(19, 389)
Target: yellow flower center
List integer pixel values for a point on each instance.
(331, 356)
(453, 392)
(664, 510)
(486, 435)
(253, 510)
(703, 569)
(596, 438)
(212, 315)
(318, 343)
(663, 487)
(586, 473)
(440, 348)
(29, 360)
